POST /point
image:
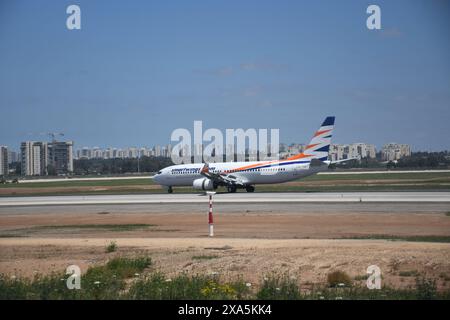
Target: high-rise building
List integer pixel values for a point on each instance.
(395, 151)
(33, 156)
(42, 158)
(12, 156)
(60, 157)
(3, 161)
(352, 151)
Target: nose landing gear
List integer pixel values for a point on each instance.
(250, 188)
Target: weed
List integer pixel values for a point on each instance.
(204, 257)
(277, 287)
(111, 247)
(338, 278)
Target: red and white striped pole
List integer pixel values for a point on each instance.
(210, 214)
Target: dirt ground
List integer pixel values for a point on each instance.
(248, 244)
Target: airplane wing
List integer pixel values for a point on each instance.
(328, 162)
(221, 178)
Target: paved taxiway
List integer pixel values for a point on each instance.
(236, 198)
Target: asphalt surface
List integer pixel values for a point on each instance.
(236, 198)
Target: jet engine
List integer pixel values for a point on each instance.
(203, 184)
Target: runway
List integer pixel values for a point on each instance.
(236, 198)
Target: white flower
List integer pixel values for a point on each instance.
(136, 274)
(338, 298)
(97, 282)
(341, 284)
(248, 284)
(168, 280)
(278, 289)
(321, 297)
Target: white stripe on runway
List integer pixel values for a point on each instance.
(230, 198)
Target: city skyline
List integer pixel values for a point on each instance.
(137, 71)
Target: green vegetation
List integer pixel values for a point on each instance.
(120, 166)
(426, 238)
(204, 257)
(409, 273)
(157, 286)
(277, 287)
(106, 227)
(23, 232)
(316, 183)
(447, 213)
(111, 247)
(339, 279)
(77, 183)
(435, 176)
(130, 278)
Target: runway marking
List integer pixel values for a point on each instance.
(229, 198)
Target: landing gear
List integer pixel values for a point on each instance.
(231, 189)
(169, 190)
(250, 188)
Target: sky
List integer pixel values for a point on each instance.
(137, 70)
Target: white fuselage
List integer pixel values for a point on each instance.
(250, 173)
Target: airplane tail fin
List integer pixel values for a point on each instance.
(319, 146)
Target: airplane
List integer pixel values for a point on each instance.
(245, 175)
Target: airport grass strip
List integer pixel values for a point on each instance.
(417, 238)
(134, 278)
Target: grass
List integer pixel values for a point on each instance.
(90, 183)
(204, 257)
(107, 227)
(447, 213)
(409, 273)
(378, 182)
(425, 238)
(24, 232)
(276, 287)
(111, 247)
(131, 278)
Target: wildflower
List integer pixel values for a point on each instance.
(97, 282)
(341, 284)
(136, 274)
(168, 280)
(338, 298)
(278, 289)
(321, 297)
(248, 284)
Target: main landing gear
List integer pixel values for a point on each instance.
(233, 188)
(169, 190)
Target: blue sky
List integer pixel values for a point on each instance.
(139, 69)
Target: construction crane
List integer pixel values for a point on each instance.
(53, 135)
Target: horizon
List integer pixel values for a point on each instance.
(137, 71)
